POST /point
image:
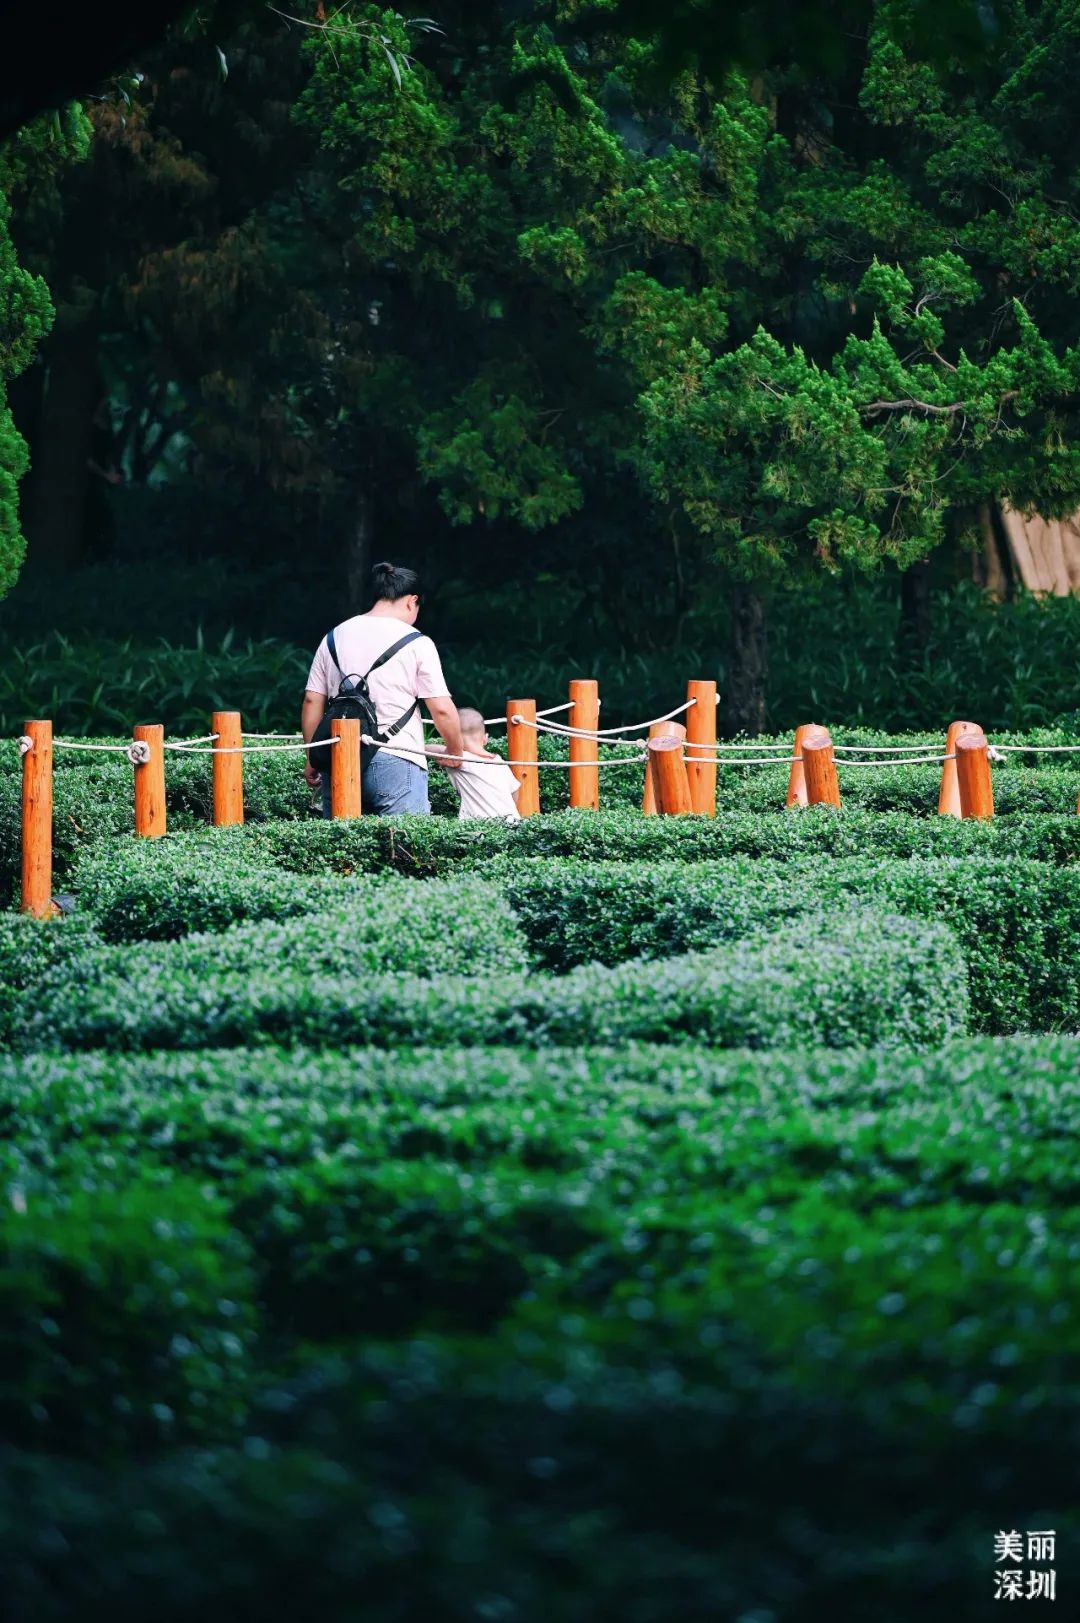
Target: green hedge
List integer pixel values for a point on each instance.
(1018, 923)
(423, 846)
(874, 980)
(158, 890)
(125, 1317)
(704, 1282)
(29, 951)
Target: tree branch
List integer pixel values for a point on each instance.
(876, 406)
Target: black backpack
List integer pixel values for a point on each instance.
(354, 702)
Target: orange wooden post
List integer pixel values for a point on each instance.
(796, 786)
(819, 766)
(150, 783)
(673, 785)
(701, 735)
(521, 743)
(650, 800)
(584, 712)
(949, 794)
(37, 804)
(973, 773)
(228, 769)
(345, 768)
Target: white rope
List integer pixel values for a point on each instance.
(739, 760)
(879, 749)
(443, 756)
(1001, 750)
(264, 749)
(600, 732)
(192, 743)
(913, 760)
(271, 735)
(500, 721)
(26, 744)
(584, 732)
(103, 749)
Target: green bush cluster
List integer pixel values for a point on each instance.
(610, 1302)
(125, 1316)
(358, 974)
(1017, 922)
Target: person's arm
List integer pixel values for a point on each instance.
(311, 713)
(443, 713)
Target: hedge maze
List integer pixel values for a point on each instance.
(602, 1217)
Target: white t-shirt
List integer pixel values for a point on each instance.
(486, 790)
(414, 673)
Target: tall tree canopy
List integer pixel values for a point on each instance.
(693, 322)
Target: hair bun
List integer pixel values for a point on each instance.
(383, 570)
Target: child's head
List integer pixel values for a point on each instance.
(473, 732)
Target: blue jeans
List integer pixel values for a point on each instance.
(390, 785)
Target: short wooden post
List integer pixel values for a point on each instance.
(819, 765)
(521, 741)
(584, 778)
(973, 773)
(150, 783)
(949, 794)
(228, 769)
(345, 768)
(673, 785)
(701, 736)
(37, 810)
(650, 800)
(796, 785)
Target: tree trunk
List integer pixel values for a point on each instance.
(748, 661)
(358, 554)
(913, 633)
(61, 449)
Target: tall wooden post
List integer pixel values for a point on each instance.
(345, 768)
(650, 800)
(949, 794)
(584, 712)
(673, 785)
(521, 741)
(37, 810)
(819, 765)
(701, 732)
(796, 785)
(973, 773)
(150, 783)
(228, 769)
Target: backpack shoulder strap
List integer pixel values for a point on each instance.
(395, 648)
(332, 647)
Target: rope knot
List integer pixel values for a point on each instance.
(25, 744)
(138, 753)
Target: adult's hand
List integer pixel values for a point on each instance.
(313, 776)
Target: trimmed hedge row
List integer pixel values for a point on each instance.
(704, 1280)
(875, 979)
(159, 890)
(423, 846)
(1018, 923)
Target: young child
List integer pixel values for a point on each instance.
(485, 791)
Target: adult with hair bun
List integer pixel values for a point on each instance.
(402, 668)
